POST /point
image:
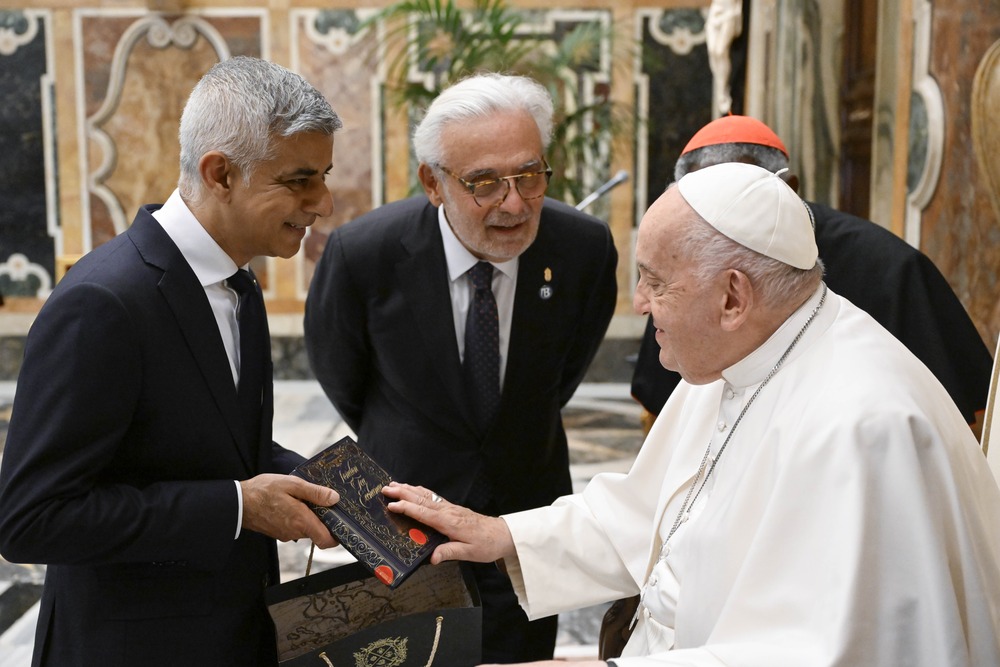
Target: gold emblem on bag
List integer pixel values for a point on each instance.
(388, 652)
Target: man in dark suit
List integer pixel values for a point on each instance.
(393, 310)
(139, 463)
(869, 265)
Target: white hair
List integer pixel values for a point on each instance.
(479, 97)
(712, 252)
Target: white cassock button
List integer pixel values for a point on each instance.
(722, 426)
(730, 393)
(652, 581)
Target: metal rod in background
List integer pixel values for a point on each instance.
(617, 179)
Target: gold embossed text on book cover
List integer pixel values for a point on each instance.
(391, 545)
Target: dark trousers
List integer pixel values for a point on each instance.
(508, 636)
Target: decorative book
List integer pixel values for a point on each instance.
(390, 545)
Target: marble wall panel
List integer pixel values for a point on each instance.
(127, 69)
(583, 85)
(28, 218)
(334, 53)
(960, 231)
(137, 70)
(793, 81)
(675, 93)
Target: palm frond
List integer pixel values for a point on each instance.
(445, 44)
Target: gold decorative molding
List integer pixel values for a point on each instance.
(986, 146)
(985, 128)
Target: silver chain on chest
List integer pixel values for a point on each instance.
(709, 463)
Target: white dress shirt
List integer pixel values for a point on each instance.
(211, 265)
(460, 260)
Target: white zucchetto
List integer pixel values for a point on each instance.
(755, 208)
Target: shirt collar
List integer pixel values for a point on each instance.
(754, 367)
(458, 257)
(206, 258)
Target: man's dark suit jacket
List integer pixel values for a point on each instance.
(119, 468)
(380, 333)
(894, 283)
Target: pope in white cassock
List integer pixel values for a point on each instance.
(809, 496)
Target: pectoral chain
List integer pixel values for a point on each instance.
(709, 462)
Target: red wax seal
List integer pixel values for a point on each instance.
(418, 536)
(384, 574)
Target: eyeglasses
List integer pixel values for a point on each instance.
(494, 191)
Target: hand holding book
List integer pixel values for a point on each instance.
(273, 506)
(391, 545)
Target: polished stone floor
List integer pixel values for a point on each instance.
(602, 423)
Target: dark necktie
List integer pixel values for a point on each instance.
(482, 346)
(253, 340)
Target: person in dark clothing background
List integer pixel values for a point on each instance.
(872, 267)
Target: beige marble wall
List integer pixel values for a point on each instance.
(341, 60)
(122, 72)
(137, 71)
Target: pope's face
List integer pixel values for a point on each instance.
(503, 145)
(686, 312)
(269, 214)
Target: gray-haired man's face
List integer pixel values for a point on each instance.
(504, 145)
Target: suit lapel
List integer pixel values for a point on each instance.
(423, 279)
(535, 297)
(186, 299)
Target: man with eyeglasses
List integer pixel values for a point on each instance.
(451, 386)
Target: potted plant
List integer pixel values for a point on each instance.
(433, 43)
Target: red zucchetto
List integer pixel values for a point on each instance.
(735, 130)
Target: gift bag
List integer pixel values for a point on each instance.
(345, 617)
